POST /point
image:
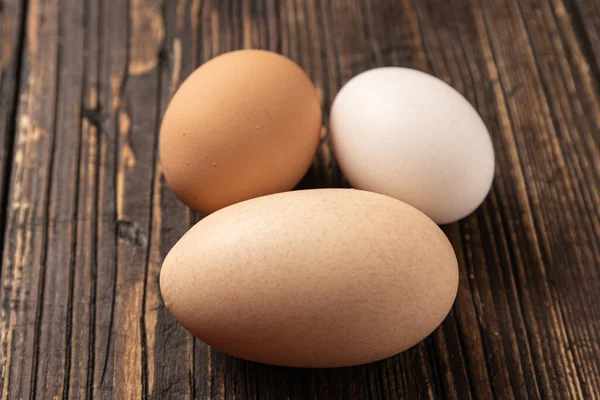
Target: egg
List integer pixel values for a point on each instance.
(245, 124)
(314, 278)
(409, 135)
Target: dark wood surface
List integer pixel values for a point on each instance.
(87, 218)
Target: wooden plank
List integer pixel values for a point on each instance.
(170, 349)
(138, 123)
(12, 41)
(56, 304)
(85, 270)
(26, 240)
(113, 70)
(12, 34)
(93, 289)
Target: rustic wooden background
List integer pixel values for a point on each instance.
(86, 216)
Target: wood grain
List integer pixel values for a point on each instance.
(87, 216)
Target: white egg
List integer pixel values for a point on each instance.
(409, 135)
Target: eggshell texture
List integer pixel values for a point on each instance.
(245, 124)
(316, 278)
(409, 135)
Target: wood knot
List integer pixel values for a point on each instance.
(128, 230)
(95, 116)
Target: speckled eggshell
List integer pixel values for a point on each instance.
(316, 278)
(409, 135)
(245, 124)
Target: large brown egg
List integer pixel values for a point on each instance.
(243, 125)
(312, 278)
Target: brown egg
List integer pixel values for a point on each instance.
(243, 125)
(314, 278)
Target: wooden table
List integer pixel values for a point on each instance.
(87, 218)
